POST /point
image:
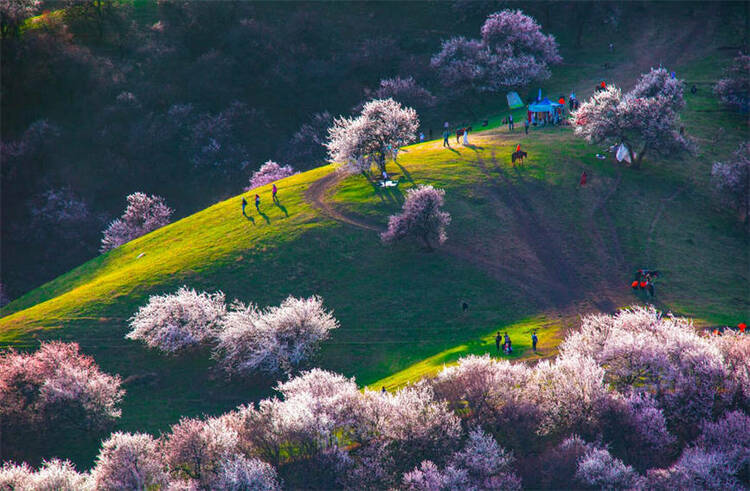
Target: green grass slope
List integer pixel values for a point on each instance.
(528, 249)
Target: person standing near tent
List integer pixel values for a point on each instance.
(526, 126)
(510, 122)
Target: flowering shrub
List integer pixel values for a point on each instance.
(275, 339)
(55, 474)
(268, 173)
(142, 215)
(421, 217)
(56, 385)
(174, 322)
(732, 180)
(598, 469)
(370, 138)
(734, 88)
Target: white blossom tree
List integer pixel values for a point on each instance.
(645, 119)
(176, 321)
(239, 473)
(373, 136)
(143, 214)
(53, 475)
(277, 339)
(598, 469)
(129, 461)
(421, 218)
(732, 180)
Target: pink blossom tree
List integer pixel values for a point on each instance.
(277, 339)
(421, 218)
(599, 469)
(268, 173)
(129, 461)
(643, 123)
(428, 477)
(732, 180)
(372, 137)
(56, 385)
(142, 215)
(512, 53)
(734, 88)
(240, 473)
(696, 468)
(174, 322)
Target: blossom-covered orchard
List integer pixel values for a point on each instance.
(633, 401)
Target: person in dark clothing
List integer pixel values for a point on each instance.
(244, 204)
(430, 133)
(257, 202)
(526, 125)
(497, 342)
(534, 340)
(382, 391)
(464, 306)
(446, 135)
(510, 122)
(693, 89)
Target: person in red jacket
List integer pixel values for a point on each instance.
(584, 176)
(742, 326)
(518, 147)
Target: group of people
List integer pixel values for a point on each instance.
(464, 131)
(274, 197)
(644, 281)
(508, 345)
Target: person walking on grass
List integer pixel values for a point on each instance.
(244, 204)
(274, 192)
(446, 136)
(497, 341)
(510, 122)
(257, 203)
(526, 125)
(466, 136)
(534, 340)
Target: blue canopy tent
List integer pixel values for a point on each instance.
(544, 110)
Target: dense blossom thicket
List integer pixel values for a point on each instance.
(173, 322)
(372, 137)
(421, 218)
(644, 119)
(732, 180)
(143, 214)
(277, 339)
(245, 339)
(405, 91)
(268, 173)
(734, 88)
(634, 400)
(13, 13)
(56, 386)
(512, 53)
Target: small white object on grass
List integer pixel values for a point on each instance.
(141, 254)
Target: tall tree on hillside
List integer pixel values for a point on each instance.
(732, 180)
(373, 136)
(13, 13)
(421, 218)
(645, 119)
(512, 53)
(143, 214)
(734, 88)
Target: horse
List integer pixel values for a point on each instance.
(520, 155)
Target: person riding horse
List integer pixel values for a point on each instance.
(518, 155)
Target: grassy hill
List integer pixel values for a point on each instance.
(527, 249)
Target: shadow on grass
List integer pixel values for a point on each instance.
(265, 217)
(281, 207)
(407, 175)
(474, 147)
(248, 217)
